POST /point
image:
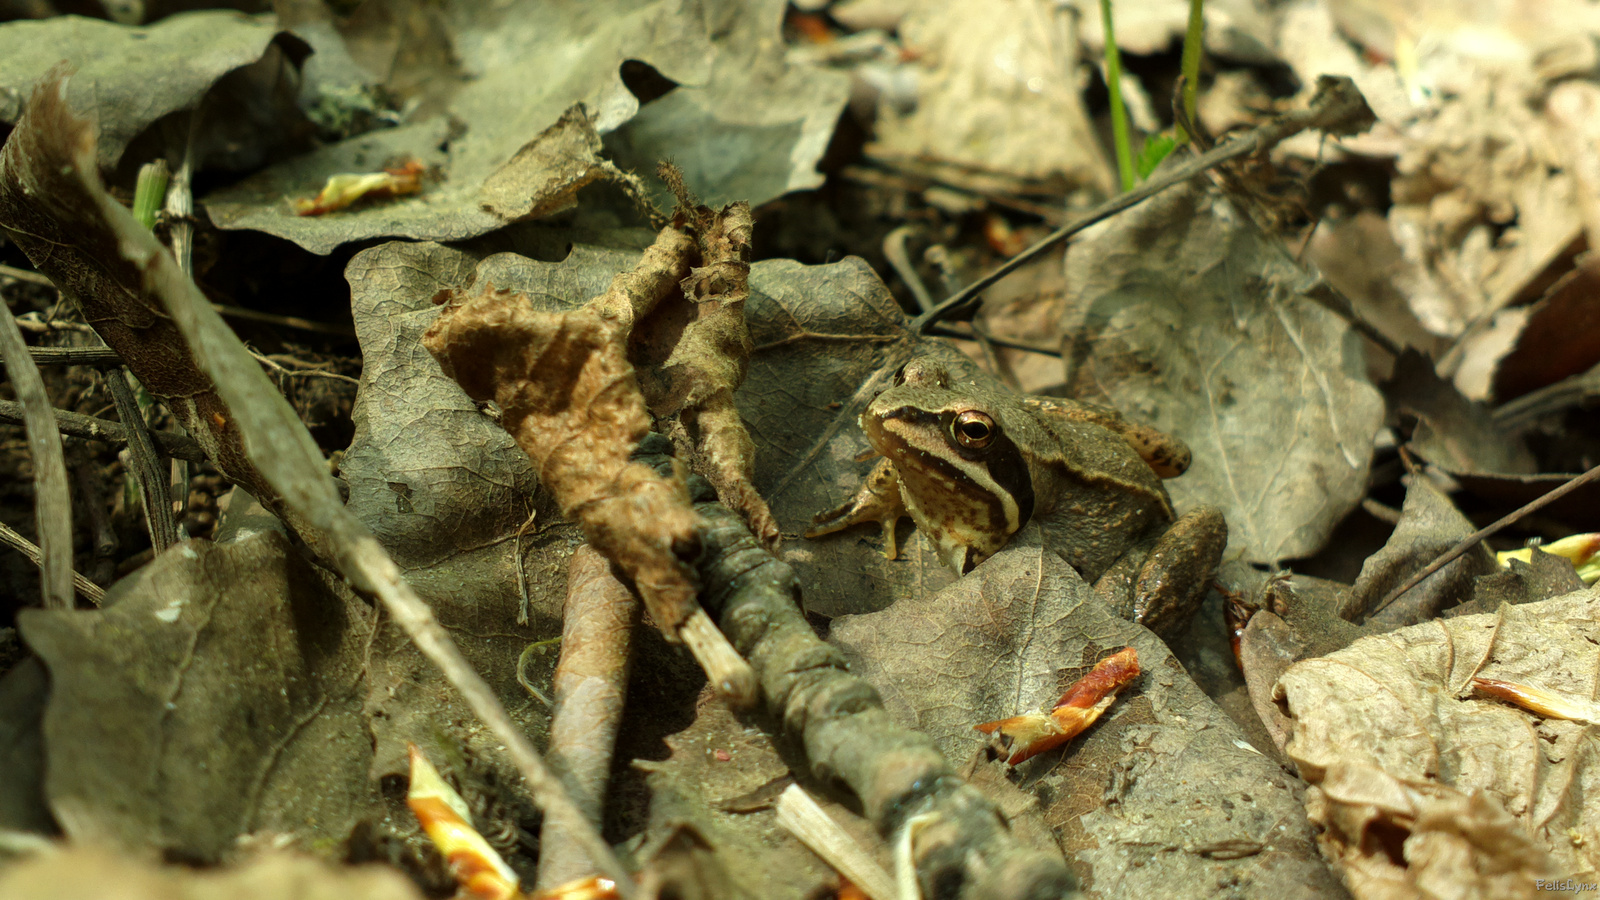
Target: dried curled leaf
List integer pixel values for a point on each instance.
(1422, 786)
(570, 398)
(706, 361)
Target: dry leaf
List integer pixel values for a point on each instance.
(127, 76)
(1163, 768)
(1185, 316)
(570, 398)
(244, 640)
(1470, 794)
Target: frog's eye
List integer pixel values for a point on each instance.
(973, 430)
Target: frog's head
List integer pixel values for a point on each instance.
(961, 453)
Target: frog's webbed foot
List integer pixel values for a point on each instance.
(878, 501)
(1177, 571)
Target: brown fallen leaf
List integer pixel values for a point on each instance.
(570, 398)
(1467, 795)
(1029, 735)
(342, 191)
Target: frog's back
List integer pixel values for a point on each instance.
(1096, 498)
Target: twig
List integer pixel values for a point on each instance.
(273, 364)
(848, 737)
(285, 456)
(25, 275)
(1337, 106)
(180, 212)
(239, 312)
(808, 821)
(144, 467)
(52, 503)
(1471, 540)
(977, 334)
(99, 357)
(90, 428)
(894, 250)
(590, 685)
(87, 589)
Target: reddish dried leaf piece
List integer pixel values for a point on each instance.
(1542, 701)
(344, 190)
(570, 398)
(443, 815)
(594, 887)
(1029, 735)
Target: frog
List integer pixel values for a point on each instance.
(972, 463)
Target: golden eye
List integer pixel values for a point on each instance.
(973, 430)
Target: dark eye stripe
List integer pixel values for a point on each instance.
(1010, 471)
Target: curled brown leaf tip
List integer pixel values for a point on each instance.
(1031, 734)
(571, 400)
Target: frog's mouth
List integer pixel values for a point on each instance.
(962, 499)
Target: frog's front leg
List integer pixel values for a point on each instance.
(1177, 571)
(878, 501)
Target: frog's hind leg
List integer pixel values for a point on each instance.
(1177, 571)
(878, 501)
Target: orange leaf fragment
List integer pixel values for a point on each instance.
(1029, 735)
(592, 888)
(441, 812)
(341, 191)
(1542, 701)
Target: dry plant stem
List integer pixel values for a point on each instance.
(25, 275)
(591, 683)
(145, 469)
(180, 213)
(74, 356)
(966, 851)
(91, 428)
(809, 822)
(1337, 107)
(1471, 540)
(87, 589)
(280, 455)
(52, 504)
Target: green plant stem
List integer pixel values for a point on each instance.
(1193, 47)
(151, 192)
(1119, 115)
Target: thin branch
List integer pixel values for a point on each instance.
(90, 428)
(1337, 106)
(1471, 540)
(87, 589)
(144, 467)
(25, 275)
(52, 503)
(100, 357)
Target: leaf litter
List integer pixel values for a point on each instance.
(1183, 297)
